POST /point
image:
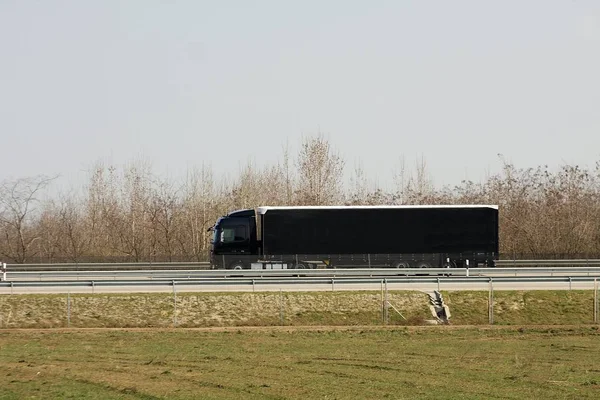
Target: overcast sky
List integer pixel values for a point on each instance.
(178, 83)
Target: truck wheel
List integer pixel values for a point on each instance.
(400, 264)
(450, 264)
(237, 265)
(300, 266)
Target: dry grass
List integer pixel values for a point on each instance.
(207, 309)
(288, 309)
(522, 307)
(291, 363)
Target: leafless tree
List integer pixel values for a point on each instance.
(164, 215)
(128, 213)
(64, 229)
(364, 192)
(131, 227)
(320, 172)
(202, 205)
(18, 216)
(288, 176)
(414, 187)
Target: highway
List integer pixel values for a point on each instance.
(245, 284)
(167, 274)
(195, 277)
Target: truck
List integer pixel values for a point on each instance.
(399, 236)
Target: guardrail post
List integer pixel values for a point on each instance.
(280, 307)
(467, 261)
(387, 307)
(174, 304)
(3, 272)
(68, 309)
(438, 283)
(491, 303)
(595, 301)
(570, 283)
(382, 304)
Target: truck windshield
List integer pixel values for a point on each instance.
(229, 234)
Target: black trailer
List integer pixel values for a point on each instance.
(357, 236)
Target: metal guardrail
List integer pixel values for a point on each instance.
(314, 273)
(295, 281)
(206, 265)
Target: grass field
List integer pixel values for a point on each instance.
(302, 363)
(163, 310)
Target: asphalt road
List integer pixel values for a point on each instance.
(336, 286)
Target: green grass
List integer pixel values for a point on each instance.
(522, 307)
(301, 363)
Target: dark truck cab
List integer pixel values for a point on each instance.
(420, 236)
(234, 241)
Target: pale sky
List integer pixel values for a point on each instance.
(178, 83)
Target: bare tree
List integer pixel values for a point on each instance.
(164, 214)
(364, 192)
(320, 172)
(62, 230)
(130, 213)
(288, 176)
(414, 187)
(202, 204)
(248, 190)
(131, 227)
(99, 204)
(18, 216)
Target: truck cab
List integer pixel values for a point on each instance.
(234, 240)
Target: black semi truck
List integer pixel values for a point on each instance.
(420, 236)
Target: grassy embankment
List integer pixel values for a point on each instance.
(289, 309)
(302, 363)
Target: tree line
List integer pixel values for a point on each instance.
(131, 214)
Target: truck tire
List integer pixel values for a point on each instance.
(237, 265)
(301, 265)
(423, 264)
(450, 264)
(400, 264)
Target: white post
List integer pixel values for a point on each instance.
(382, 304)
(174, 305)
(491, 303)
(3, 272)
(387, 316)
(467, 267)
(68, 309)
(280, 307)
(595, 301)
